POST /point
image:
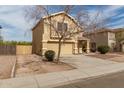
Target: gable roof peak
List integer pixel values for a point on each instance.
(54, 14)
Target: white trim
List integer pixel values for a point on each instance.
(60, 13)
(44, 48)
(54, 15)
(75, 48)
(44, 41)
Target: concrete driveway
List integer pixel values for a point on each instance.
(82, 62)
(91, 66)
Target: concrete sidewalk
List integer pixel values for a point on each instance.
(86, 67)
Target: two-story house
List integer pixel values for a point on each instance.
(45, 38)
(101, 37)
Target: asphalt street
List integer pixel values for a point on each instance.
(115, 80)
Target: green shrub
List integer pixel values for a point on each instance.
(50, 55)
(103, 49)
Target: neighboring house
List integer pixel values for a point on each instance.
(45, 38)
(122, 46)
(119, 34)
(102, 37)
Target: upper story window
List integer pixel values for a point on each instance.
(111, 36)
(62, 26)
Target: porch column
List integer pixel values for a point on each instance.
(88, 46)
(44, 46)
(75, 48)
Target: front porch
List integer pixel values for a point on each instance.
(82, 45)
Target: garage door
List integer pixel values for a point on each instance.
(66, 48)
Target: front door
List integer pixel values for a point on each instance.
(82, 45)
(93, 47)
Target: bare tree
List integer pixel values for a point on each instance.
(93, 24)
(82, 18)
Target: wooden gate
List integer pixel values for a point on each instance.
(7, 50)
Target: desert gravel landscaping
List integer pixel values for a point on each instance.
(33, 64)
(6, 65)
(86, 67)
(27, 65)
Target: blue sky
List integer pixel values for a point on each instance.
(15, 27)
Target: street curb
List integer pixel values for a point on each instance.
(83, 79)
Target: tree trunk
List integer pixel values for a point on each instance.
(59, 50)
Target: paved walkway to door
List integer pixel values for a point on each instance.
(87, 67)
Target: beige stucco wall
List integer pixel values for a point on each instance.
(37, 38)
(103, 38)
(55, 19)
(111, 41)
(48, 36)
(98, 38)
(23, 49)
(119, 35)
(119, 38)
(122, 44)
(44, 36)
